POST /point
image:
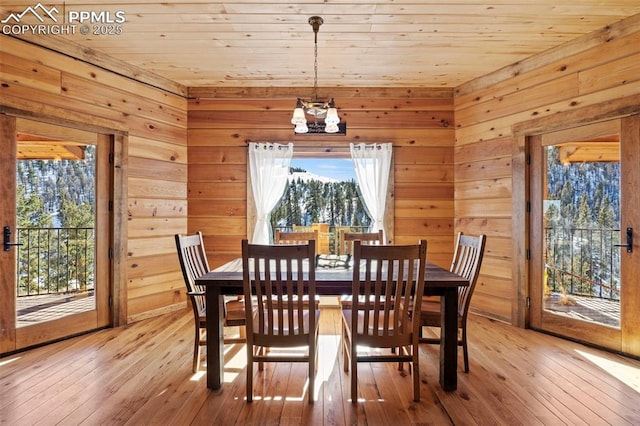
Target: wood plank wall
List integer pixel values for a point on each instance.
(587, 76)
(417, 121)
(40, 82)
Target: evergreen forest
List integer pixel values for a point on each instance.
(582, 225)
(309, 201)
(55, 216)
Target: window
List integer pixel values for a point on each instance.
(322, 161)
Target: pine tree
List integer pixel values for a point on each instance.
(584, 213)
(606, 214)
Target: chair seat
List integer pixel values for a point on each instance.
(347, 316)
(305, 300)
(346, 300)
(235, 312)
(285, 329)
(431, 315)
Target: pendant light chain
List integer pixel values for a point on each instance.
(315, 65)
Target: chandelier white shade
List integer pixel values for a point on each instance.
(316, 108)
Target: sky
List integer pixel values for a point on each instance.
(337, 168)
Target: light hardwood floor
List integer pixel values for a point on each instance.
(141, 374)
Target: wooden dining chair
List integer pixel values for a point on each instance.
(296, 237)
(382, 273)
(346, 239)
(194, 264)
(345, 247)
(467, 259)
(277, 281)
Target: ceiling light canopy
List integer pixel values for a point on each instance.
(316, 108)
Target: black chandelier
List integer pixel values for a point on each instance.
(315, 107)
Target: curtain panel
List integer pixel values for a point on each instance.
(372, 166)
(269, 168)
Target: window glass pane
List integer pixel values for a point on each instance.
(321, 192)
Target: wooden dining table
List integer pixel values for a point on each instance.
(227, 280)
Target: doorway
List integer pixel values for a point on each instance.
(56, 222)
(584, 207)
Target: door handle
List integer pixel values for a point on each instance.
(7, 239)
(629, 245)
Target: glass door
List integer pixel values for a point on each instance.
(584, 210)
(55, 230)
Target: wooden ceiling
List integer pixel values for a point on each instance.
(43, 141)
(385, 43)
(32, 147)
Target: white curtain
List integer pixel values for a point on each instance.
(269, 167)
(372, 165)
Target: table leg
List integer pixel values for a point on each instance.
(449, 341)
(215, 337)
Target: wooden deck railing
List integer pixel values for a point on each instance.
(583, 262)
(55, 261)
(327, 234)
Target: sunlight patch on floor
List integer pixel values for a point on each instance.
(233, 366)
(328, 346)
(302, 395)
(7, 361)
(199, 375)
(627, 374)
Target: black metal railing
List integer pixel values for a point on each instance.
(583, 262)
(55, 261)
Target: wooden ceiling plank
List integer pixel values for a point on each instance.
(589, 152)
(38, 151)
